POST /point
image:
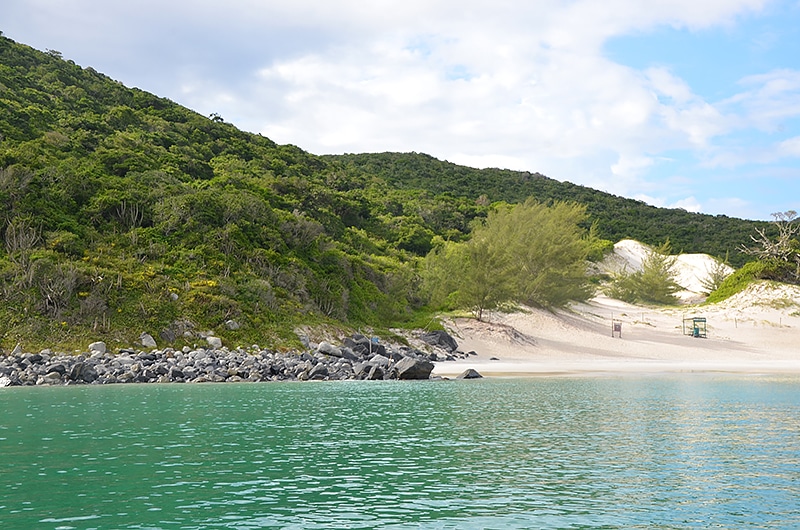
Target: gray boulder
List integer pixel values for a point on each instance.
(34, 358)
(58, 367)
(82, 372)
(358, 343)
(441, 339)
(50, 378)
(376, 373)
(147, 340)
(168, 335)
(410, 368)
(380, 360)
(369, 372)
(319, 371)
(329, 349)
(348, 354)
(76, 372)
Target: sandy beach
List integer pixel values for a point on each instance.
(756, 331)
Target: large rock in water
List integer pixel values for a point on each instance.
(50, 378)
(441, 339)
(470, 373)
(410, 368)
(82, 372)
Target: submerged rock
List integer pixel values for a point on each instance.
(469, 373)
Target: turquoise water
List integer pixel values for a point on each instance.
(664, 452)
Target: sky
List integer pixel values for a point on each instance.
(691, 104)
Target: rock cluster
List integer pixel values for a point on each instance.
(357, 357)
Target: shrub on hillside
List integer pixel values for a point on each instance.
(751, 272)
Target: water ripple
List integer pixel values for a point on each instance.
(692, 451)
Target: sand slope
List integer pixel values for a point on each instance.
(757, 330)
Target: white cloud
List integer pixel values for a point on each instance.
(790, 147)
(769, 99)
(535, 84)
(733, 207)
(690, 204)
(631, 165)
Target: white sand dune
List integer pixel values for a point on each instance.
(756, 331)
(692, 271)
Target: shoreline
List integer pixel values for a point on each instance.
(532, 369)
(359, 358)
(746, 335)
(754, 333)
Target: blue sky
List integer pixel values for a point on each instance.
(678, 103)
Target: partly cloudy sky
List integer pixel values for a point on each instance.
(680, 103)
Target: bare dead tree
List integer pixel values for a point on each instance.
(781, 248)
(784, 248)
(57, 285)
(130, 214)
(15, 182)
(21, 237)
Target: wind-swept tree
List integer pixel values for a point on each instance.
(475, 275)
(529, 253)
(654, 283)
(547, 248)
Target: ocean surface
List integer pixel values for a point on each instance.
(670, 451)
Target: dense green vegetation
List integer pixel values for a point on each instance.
(616, 217)
(125, 213)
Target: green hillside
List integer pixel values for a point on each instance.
(126, 213)
(617, 217)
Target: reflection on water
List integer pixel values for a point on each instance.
(690, 451)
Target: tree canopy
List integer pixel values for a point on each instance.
(654, 283)
(528, 253)
(616, 218)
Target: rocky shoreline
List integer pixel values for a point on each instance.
(357, 358)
